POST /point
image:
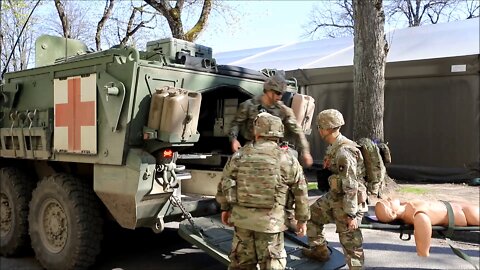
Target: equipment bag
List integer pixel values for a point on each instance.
(374, 157)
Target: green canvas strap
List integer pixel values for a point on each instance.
(449, 233)
(451, 219)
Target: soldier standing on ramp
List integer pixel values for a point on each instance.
(253, 194)
(342, 203)
(273, 89)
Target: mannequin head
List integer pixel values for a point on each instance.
(387, 210)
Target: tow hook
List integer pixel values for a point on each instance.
(159, 225)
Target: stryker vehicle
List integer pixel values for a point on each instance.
(136, 137)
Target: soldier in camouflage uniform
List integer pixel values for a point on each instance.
(342, 203)
(269, 101)
(253, 194)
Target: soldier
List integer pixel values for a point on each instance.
(269, 101)
(341, 204)
(253, 194)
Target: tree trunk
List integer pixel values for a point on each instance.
(369, 69)
(63, 18)
(107, 12)
(173, 15)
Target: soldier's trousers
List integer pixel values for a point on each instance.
(251, 248)
(328, 209)
(290, 206)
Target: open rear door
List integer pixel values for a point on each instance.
(215, 239)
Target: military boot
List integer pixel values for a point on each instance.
(318, 253)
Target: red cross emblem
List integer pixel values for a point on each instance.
(74, 114)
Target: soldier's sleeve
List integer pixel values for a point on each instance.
(240, 117)
(299, 189)
(347, 172)
(291, 124)
(229, 172)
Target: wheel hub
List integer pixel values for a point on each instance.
(6, 215)
(55, 225)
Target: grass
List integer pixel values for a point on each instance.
(414, 190)
(312, 185)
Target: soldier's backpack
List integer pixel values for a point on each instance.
(375, 156)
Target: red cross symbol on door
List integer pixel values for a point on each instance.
(74, 114)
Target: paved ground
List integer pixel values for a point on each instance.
(131, 250)
(385, 250)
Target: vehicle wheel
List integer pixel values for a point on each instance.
(15, 194)
(65, 223)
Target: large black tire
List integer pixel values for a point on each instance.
(15, 194)
(65, 223)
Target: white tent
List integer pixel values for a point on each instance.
(432, 92)
(416, 43)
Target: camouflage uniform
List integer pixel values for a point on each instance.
(258, 237)
(345, 161)
(249, 109)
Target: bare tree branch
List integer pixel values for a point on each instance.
(130, 32)
(63, 18)
(173, 15)
(193, 33)
(333, 20)
(107, 12)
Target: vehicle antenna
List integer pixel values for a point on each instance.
(18, 38)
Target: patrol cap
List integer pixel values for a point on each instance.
(330, 118)
(276, 82)
(267, 125)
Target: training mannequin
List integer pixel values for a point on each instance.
(425, 214)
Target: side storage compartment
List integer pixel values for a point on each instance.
(303, 107)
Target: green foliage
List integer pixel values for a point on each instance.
(414, 190)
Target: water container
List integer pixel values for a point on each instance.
(194, 102)
(174, 112)
(156, 107)
(303, 107)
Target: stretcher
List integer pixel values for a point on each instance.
(370, 221)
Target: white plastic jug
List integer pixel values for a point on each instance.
(156, 108)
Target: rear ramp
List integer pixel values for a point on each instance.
(215, 239)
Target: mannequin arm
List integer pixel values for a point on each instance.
(422, 226)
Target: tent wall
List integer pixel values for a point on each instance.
(432, 115)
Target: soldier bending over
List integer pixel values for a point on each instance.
(341, 203)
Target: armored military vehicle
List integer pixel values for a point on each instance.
(139, 137)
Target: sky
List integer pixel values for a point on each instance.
(264, 23)
(259, 23)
